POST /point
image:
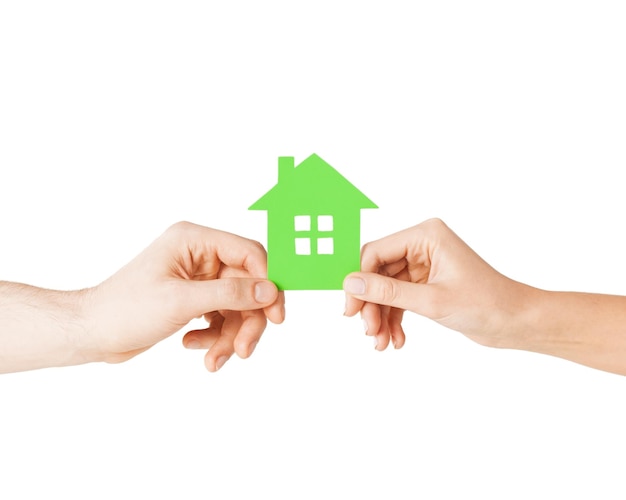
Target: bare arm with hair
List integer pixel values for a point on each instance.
(190, 271)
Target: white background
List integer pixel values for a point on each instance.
(506, 119)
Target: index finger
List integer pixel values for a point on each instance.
(239, 252)
(204, 247)
(388, 256)
(387, 250)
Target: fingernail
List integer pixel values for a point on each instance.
(220, 362)
(355, 286)
(264, 292)
(366, 327)
(375, 342)
(193, 344)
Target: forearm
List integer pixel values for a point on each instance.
(586, 328)
(42, 328)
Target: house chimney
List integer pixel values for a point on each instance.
(285, 167)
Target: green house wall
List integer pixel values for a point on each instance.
(290, 271)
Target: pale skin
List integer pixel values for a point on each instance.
(429, 270)
(190, 271)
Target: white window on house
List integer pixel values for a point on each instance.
(303, 246)
(302, 222)
(325, 246)
(324, 243)
(325, 223)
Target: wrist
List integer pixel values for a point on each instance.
(527, 323)
(539, 324)
(514, 319)
(82, 328)
(69, 324)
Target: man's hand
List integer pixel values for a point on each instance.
(190, 271)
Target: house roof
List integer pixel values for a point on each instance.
(313, 185)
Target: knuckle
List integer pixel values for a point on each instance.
(366, 252)
(434, 224)
(180, 228)
(369, 257)
(229, 289)
(388, 291)
(258, 247)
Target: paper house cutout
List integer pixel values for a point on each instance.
(313, 225)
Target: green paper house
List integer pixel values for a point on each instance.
(313, 225)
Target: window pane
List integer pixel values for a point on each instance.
(303, 246)
(325, 246)
(325, 223)
(302, 222)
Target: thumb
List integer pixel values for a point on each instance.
(377, 289)
(235, 294)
